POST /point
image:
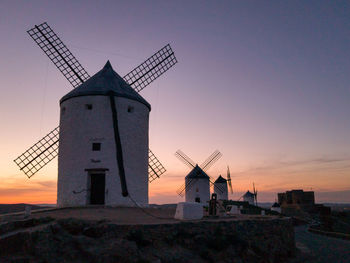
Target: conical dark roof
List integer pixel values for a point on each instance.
(248, 194)
(276, 205)
(220, 180)
(104, 82)
(197, 173)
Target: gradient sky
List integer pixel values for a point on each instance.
(264, 82)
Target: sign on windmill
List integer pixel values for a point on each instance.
(197, 183)
(102, 140)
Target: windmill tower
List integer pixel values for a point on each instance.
(102, 140)
(221, 183)
(251, 198)
(220, 186)
(197, 182)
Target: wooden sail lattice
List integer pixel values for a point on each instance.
(59, 54)
(41, 153)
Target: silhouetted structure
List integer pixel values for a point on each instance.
(296, 197)
(297, 202)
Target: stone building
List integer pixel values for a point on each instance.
(296, 197)
(298, 202)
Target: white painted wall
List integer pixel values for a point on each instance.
(249, 199)
(80, 127)
(222, 195)
(189, 211)
(199, 188)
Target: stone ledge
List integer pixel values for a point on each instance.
(330, 234)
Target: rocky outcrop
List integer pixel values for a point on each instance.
(72, 240)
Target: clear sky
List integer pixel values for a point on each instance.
(264, 82)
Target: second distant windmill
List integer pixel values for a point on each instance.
(197, 183)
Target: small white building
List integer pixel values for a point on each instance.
(103, 146)
(220, 188)
(189, 211)
(249, 197)
(197, 186)
(276, 207)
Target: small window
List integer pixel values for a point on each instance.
(88, 106)
(63, 110)
(96, 146)
(130, 109)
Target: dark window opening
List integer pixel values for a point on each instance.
(96, 146)
(88, 106)
(197, 200)
(130, 109)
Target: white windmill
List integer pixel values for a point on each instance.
(102, 141)
(221, 184)
(251, 198)
(197, 182)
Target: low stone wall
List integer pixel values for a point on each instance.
(72, 240)
(330, 234)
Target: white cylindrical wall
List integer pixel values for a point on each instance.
(80, 127)
(276, 209)
(249, 199)
(221, 191)
(199, 188)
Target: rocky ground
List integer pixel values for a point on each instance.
(61, 238)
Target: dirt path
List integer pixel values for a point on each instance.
(318, 248)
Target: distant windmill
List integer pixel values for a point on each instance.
(196, 186)
(103, 150)
(221, 186)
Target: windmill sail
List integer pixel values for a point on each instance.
(41, 153)
(186, 186)
(229, 179)
(255, 192)
(73, 71)
(151, 69)
(185, 159)
(211, 160)
(216, 187)
(155, 168)
(59, 54)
